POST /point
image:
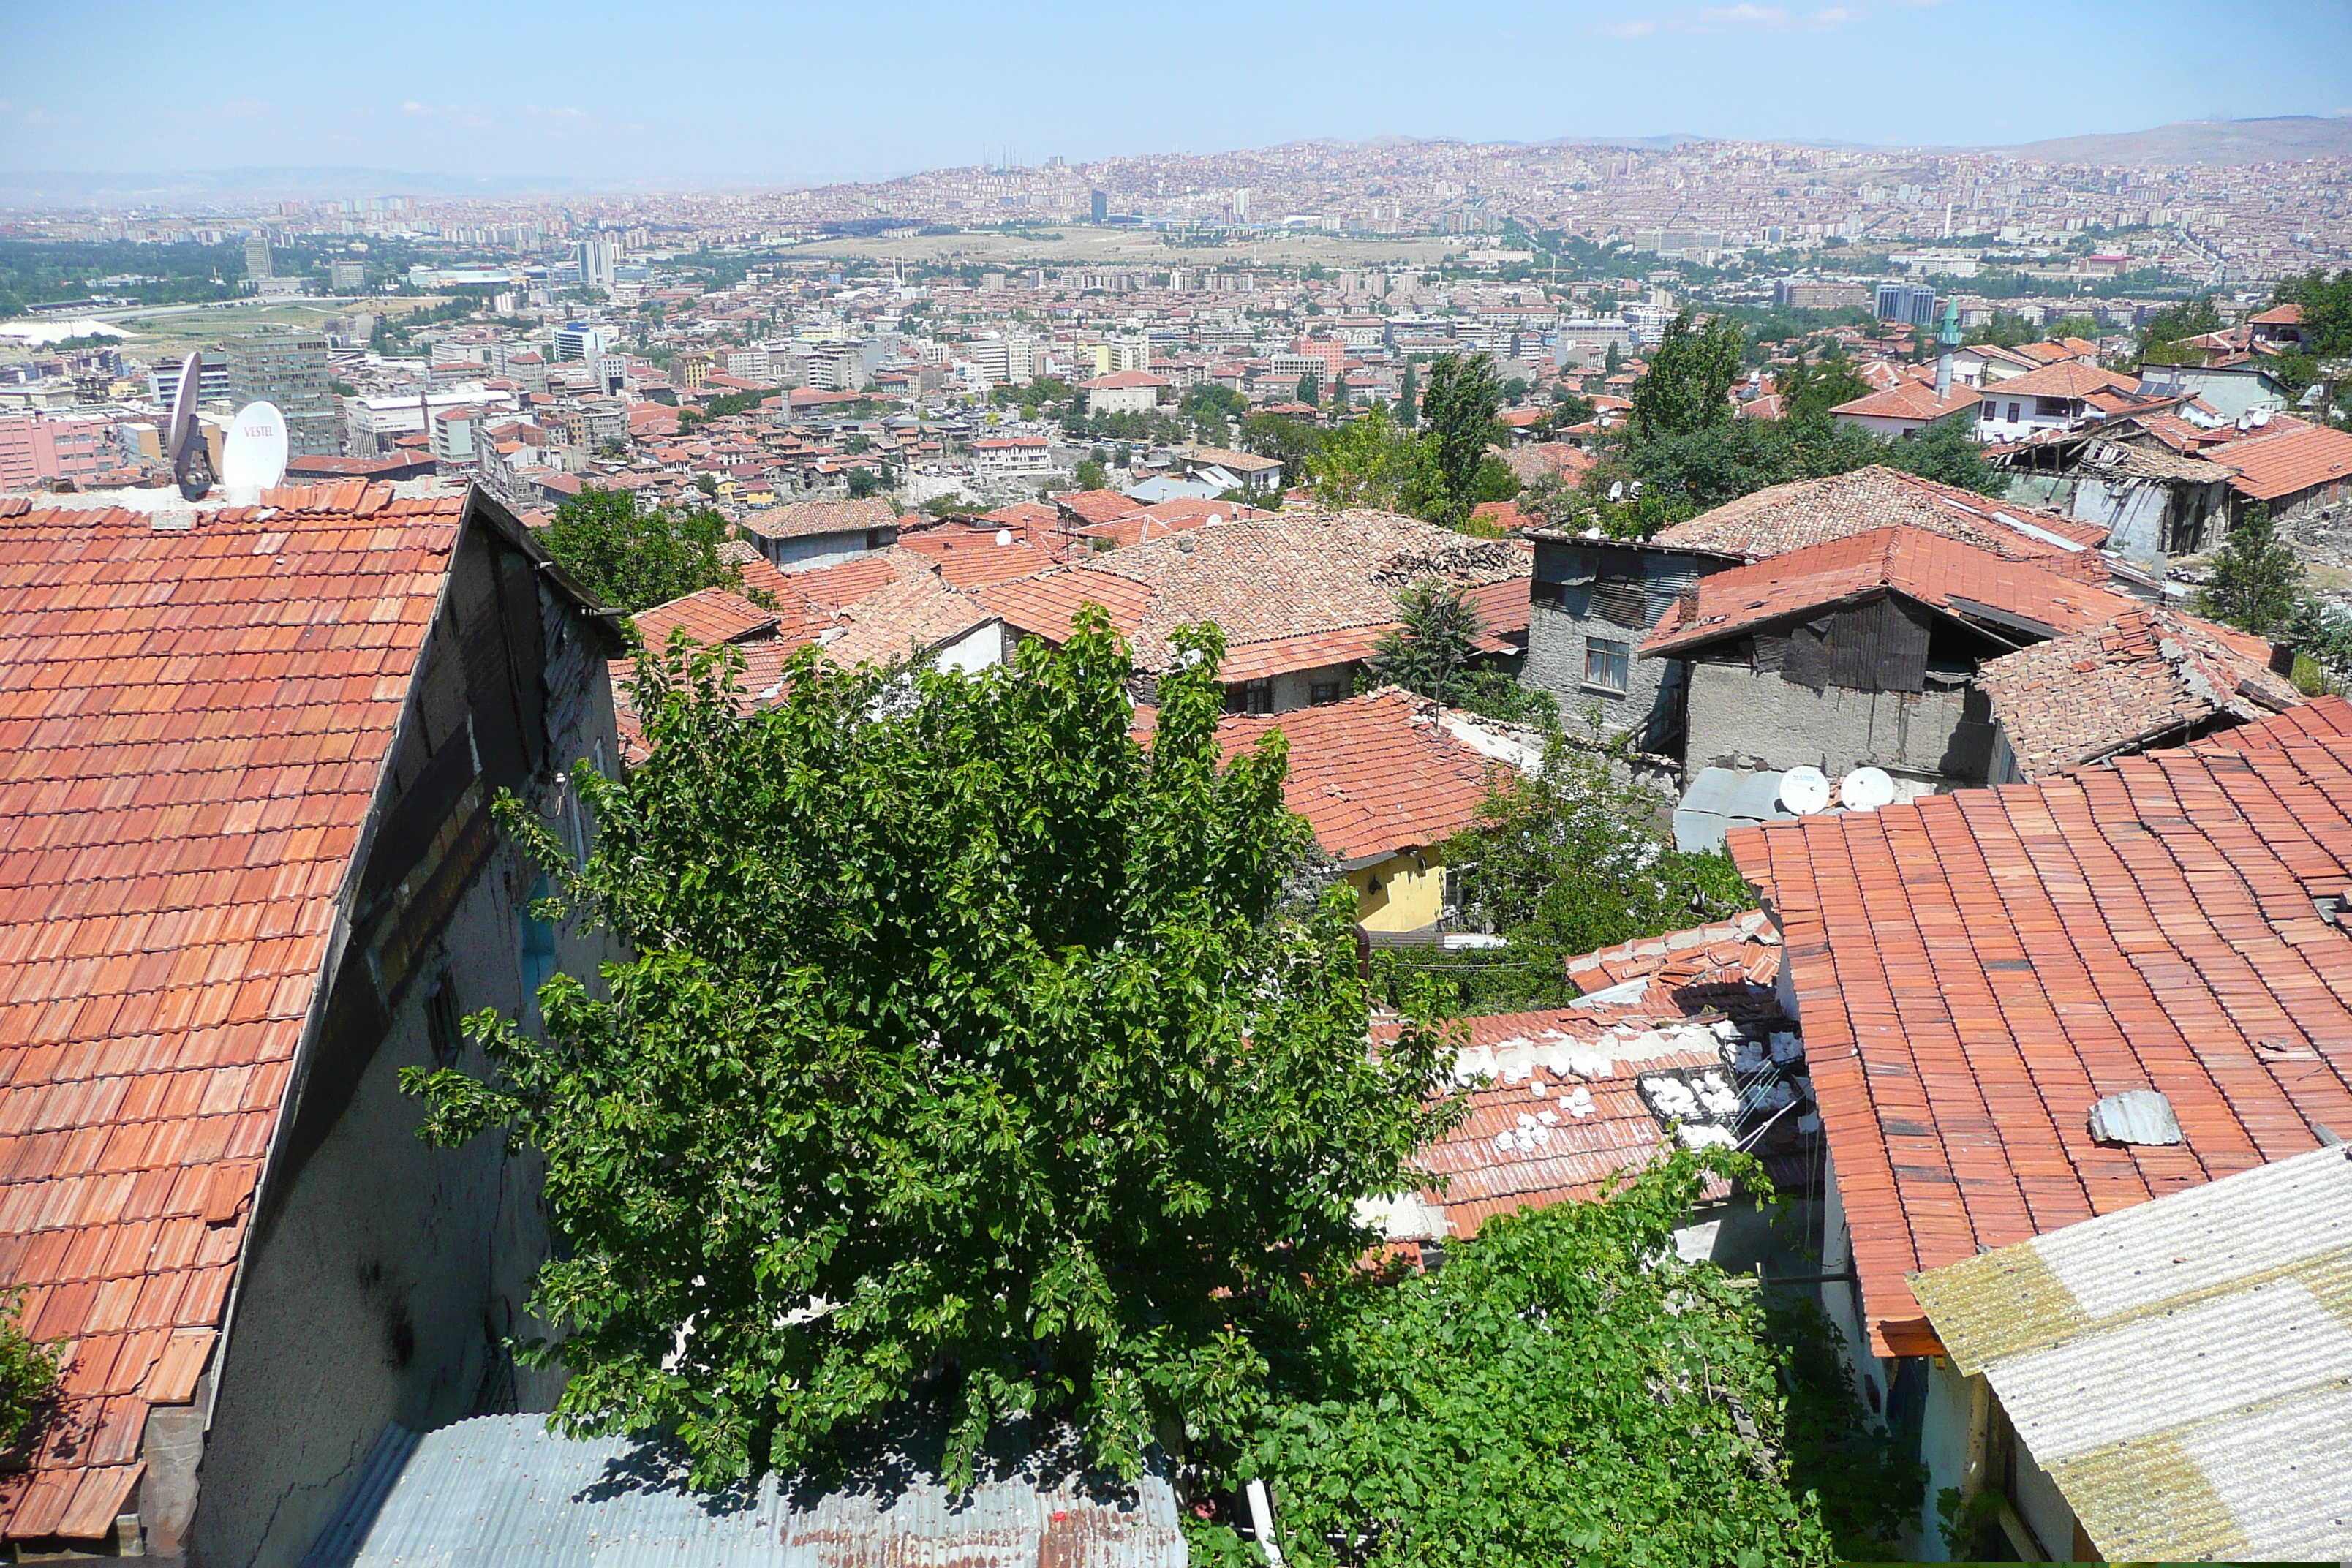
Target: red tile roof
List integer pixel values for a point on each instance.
(2285, 462)
(710, 617)
(2065, 378)
(192, 723)
(1708, 967)
(1564, 1113)
(1910, 400)
(2146, 676)
(811, 519)
(1930, 568)
(1375, 775)
(971, 557)
(1098, 506)
(1808, 512)
(1975, 970)
(1293, 576)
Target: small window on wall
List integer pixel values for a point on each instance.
(1257, 697)
(443, 1028)
(535, 943)
(1606, 664)
(1322, 692)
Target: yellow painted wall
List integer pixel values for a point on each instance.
(1408, 899)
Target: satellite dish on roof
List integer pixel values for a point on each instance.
(1866, 789)
(253, 457)
(192, 461)
(1805, 791)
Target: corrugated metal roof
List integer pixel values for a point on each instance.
(502, 1492)
(2182, 1369)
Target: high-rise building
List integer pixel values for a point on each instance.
(599, 254)
(1913, 304)
(288, 368)
(1101, 205)
(212, 379)
(257, 257)
(579, 340)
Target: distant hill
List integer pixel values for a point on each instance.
(72, 188)
(2203, 142)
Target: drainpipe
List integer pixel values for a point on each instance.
(1262, 1522)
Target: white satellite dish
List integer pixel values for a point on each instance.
(253, 457)
(1805, 791)
(1866, 789)
(183, 444)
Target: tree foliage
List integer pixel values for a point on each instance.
(1459, 408)
(1373, 462)
(1688, 386)
(2256, 578)
(2163, 332)
(968, 1052)
(1809, 388)
(29, 1372)
(1565, 1390)
(1577, 856)
(632, 557)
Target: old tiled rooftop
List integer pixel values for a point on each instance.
(2147, 675)
(192, 721)
(1375, 774)
(1804, 512)
(809, 519)
(1297, 575)
(1933, 569)
(2286, 462)
(1974, 971)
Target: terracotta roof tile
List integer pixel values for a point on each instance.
(808, 519)
(1805, 513)
(2147, 675)
(1933, 569)
(1299, 575)
(1375, 774)
(710, 617)
(190, 725)
(1975, 970)
(2286, 462)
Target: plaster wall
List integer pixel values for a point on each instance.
(1404, 892)
(1741, 717)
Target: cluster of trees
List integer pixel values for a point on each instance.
(970, 1056)
(2258, 584)
(633, 557)
(1683, 447)
(34, 272)
(1438, 468)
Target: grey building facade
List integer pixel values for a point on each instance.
(1594, 601)
(289, 369)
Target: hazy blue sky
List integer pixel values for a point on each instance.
(775, 91)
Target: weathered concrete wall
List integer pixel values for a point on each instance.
(1556, 650)
(822, 550)
(1748, 719)
(383, 1276)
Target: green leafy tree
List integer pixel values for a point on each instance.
(1576, 858)
(634, 558)
(2256, 579)
(1949, 453)
(1309, 390)
(2161, 335)
(1370, 462)
(1434, 641)
(865, 483)
(970, 1052)
(1091, 474)
(29, 1373)
(1688, 384)
(1810, 389)
(1459, 408)
(1566, 1390)
(1294, 441)
(1612, 360)
(1409, 397)
(2327, 301)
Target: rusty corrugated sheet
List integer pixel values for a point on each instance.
(501, 1492)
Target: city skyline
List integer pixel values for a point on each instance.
(598, 95)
